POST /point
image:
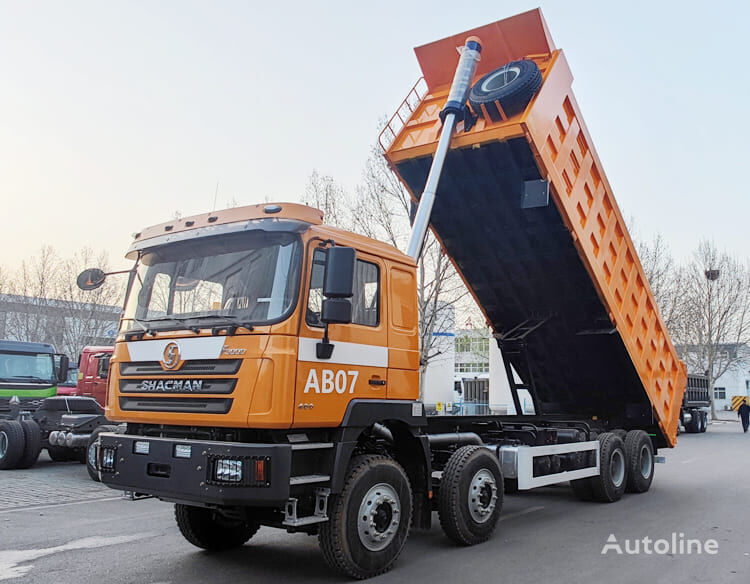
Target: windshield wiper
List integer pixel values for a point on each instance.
(32, 378)
(223, 319)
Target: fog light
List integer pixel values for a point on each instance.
(107, 454)
(182, 451)
(141, 447)
(228, 471)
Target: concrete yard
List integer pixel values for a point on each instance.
(58, 526)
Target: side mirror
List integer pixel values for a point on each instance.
(62, 369)
(338, 285)
(336, 311)
(339, 278)
(91, 279)
(103, 367)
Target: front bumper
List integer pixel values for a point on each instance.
(162, 474)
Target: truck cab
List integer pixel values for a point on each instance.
(28, 372)
(92, 373)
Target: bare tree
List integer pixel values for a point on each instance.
(666, 279)
(43, 304)
(323, 193)
(715, 327)
(88, 315)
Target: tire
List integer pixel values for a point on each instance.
(356, 539)
(61, 453)
(92, 450)
(471, 495)
(511, 87)
(210, 530)
(639, 453)
(621, 433)
(704, 422)
(609, 485)
(32, 435)
(693, 426)
(11, 443)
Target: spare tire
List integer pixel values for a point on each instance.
(510, 87)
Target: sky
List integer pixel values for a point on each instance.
(117, 115)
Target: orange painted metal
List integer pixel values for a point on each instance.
(271, 380)
(564, 152)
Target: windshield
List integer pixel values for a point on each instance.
(72, 380)
(27, 368)
(248, 278)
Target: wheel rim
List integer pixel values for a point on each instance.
(500, 78)
(3, 444)
(482, 495)
(379, 517)
(92, 455)
(647, 464)
(617, 467)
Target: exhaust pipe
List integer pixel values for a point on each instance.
(449, 438)
(77, 440)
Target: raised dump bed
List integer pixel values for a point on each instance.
(558, 279)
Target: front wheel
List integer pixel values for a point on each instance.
(211, 529)
(11, 444)
(471, 495)
(369, 520)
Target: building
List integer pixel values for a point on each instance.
(68, 326)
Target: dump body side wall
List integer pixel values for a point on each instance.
(642, 359)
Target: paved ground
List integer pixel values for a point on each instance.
(544, 536)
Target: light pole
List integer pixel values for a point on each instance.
(712, 274)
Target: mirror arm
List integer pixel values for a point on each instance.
(324, 349)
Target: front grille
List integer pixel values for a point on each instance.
(193, 367)
(206, 405)
(192, 386)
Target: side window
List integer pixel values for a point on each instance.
(366, 298)
(315, 298)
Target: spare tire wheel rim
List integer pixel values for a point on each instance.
(617, 467)
(647, 463)
(379, 517)
(500, 78)
(3, 444)
(482, 495)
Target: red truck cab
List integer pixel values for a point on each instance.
(92, 371)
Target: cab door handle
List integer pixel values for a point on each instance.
(376, 382)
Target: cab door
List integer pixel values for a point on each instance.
(358, 365)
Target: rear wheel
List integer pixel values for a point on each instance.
(212, 530)
(639, 452)
(369, 520)
(609, 485)
(32, 435)
(693, 426)
(471, 495)
(11, 444)
(704, 421)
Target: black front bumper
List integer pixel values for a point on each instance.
(164, 475)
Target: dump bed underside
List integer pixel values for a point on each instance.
(522, 266)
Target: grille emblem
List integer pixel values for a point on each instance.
(171, 356)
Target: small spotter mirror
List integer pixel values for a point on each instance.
(91, 279)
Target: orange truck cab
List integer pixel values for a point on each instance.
(266, 372)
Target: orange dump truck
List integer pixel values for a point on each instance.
(267, 367)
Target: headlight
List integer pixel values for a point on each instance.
(228, 471)
(108, 454)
